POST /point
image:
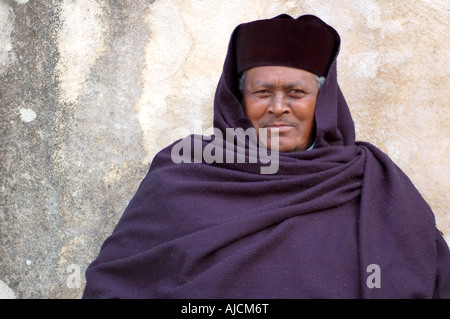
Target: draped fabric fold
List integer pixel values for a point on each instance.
(310, 230)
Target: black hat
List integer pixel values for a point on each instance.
(306, 43)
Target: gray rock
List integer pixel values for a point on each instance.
(6, 292)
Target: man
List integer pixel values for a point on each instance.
(283, 99)
(337, 219)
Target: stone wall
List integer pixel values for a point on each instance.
(91, 90)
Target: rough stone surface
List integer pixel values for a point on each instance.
(6, 292)
(91, 90)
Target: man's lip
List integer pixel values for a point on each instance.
(281, 127)
(278, 125)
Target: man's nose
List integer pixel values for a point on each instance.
(279, 104)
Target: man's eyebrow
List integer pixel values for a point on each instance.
(272, 85)
(263, 84)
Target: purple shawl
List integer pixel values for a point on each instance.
(339, 221)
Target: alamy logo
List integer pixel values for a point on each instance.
(374, 279)
(237, 146)
(74, 279)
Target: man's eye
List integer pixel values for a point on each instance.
(298, 93)
(262, 92)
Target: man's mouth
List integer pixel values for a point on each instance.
(281, 126)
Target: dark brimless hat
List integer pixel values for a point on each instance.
(306, 43)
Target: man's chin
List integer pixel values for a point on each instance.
(285, 148)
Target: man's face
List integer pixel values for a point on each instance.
(283, 98)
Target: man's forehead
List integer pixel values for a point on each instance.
(272, 75)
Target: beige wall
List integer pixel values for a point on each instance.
(90, 91)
